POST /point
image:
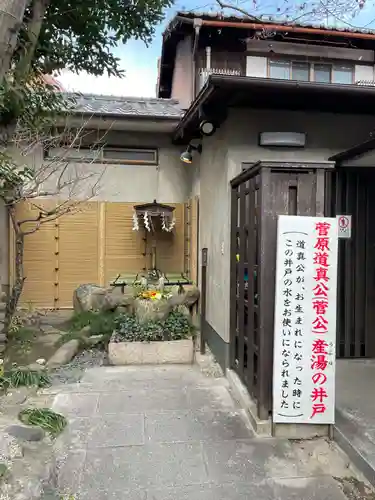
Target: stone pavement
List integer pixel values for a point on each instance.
(355, 412)
(167, 433)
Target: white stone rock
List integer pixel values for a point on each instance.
(49, 339)
(94, 340)
(64, 354)
(41, 361)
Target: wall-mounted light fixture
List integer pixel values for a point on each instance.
(186, 156)
(283, 139)
(207, 128)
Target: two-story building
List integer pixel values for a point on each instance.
(279, 120)
(267, 117)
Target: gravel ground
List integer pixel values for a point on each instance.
(73, 371)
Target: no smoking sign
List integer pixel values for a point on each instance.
(344, 224)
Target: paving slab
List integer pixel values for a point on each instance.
(284, 489)
(76, 405)
(195, 425)
(161, 433)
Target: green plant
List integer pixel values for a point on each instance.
(15, 325)
(21, 377)
(101, 323)
(50, 421)
(176, 326)
(3, 470)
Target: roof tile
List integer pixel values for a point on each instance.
(126, 106)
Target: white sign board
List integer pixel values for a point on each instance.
(344, 224)
(305, 320)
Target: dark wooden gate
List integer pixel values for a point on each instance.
(354, 194)
(258, 194)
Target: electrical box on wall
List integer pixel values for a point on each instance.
(282, 139)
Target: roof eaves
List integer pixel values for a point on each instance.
(225, 82)
(355, 152)
(186, 16)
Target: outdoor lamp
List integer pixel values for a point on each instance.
(207, 128)
(186, 156)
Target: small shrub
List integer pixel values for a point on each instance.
(20, 377)
(51, 422)
(128, 328)
(177, 326)
(73, 335)
(15, 324)
(101, 323)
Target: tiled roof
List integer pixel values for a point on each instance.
(219, 16)
(126, 106)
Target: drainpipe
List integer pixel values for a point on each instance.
(197, 27)
(208, 57)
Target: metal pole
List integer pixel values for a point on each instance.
(203, 298)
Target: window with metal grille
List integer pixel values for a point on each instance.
(311, 71)
(106, 154)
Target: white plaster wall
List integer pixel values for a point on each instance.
(214, 227)
(195, 176)
(363, 72)
(256, 66)
(236, 142)
(167, 182)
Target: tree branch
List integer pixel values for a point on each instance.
(238, 9)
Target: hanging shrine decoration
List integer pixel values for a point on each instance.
(144, 215)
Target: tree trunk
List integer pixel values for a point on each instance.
(11, 17)
(34, 26)
(17, 287)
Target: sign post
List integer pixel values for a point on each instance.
(305, 320)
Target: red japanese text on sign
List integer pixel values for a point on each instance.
(305, 320)
(320, 323)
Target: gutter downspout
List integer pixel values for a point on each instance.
(197, 27)
(287, 29)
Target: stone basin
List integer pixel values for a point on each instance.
(151, 353)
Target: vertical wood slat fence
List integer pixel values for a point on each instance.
(91, 246)
(352, 194)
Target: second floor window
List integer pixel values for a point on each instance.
(313, 72)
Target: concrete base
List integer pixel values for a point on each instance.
(151, 353)
(300, 431)
(242, 397)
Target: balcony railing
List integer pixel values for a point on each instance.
(204, 73)
(365, 83)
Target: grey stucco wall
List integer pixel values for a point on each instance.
(182, 86)
(237, 141)
(167, 182)
(214, 227)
